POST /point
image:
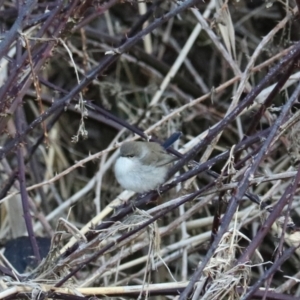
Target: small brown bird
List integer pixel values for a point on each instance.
(142, 166)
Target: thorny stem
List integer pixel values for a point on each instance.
(24, 195)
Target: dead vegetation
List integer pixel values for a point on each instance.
(80, 77)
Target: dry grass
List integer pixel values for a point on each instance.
(80, 77)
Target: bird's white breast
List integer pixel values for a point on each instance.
(137, 177)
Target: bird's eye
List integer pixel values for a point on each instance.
(130, 156)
